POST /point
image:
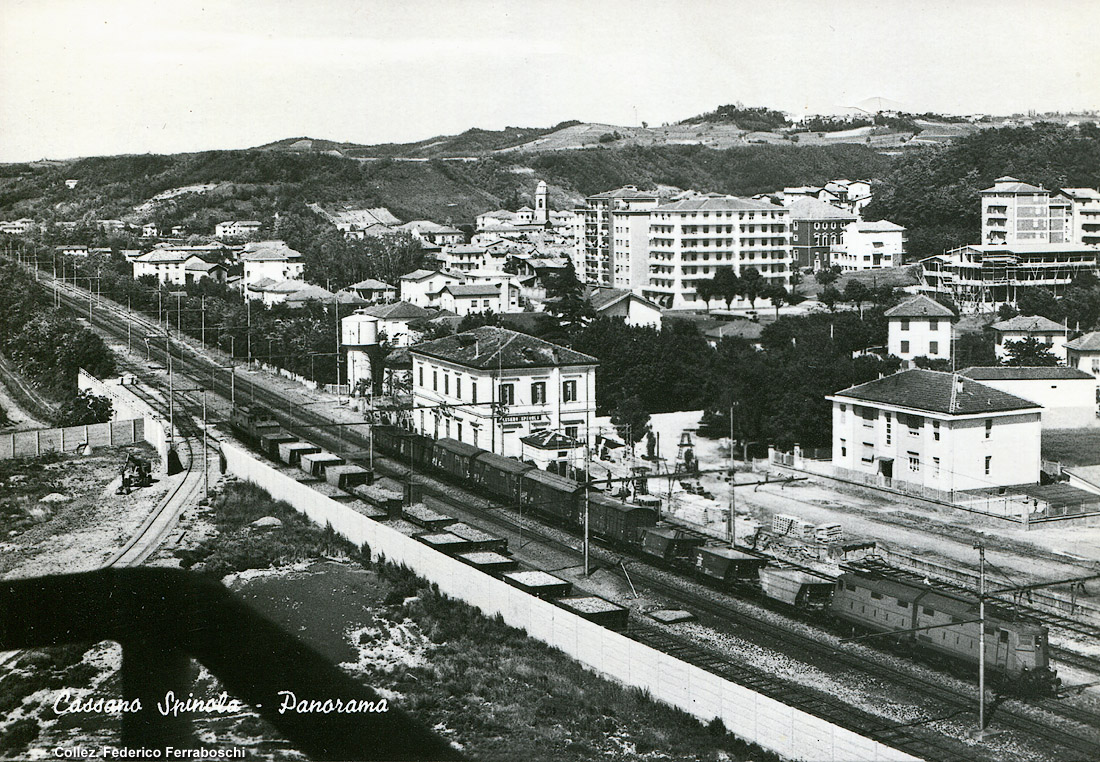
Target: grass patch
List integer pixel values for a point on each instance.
(1072, 447)
(239, 545)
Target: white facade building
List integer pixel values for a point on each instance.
(1084, 215)
(1083, 353)
(273, 260)
(237, 228)
(633, 309)
(421, 287)
(498, 387)
(691, 239)
(1067, 395)
(1016, 212)
(1044, 330)
(870, 246)
(919, 327)
(602, 213)
(936, 430)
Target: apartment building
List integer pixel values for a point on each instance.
(612, 221)
(1015, 212)
(919, 327)
(690, 239)
(816, 229)
(937, 430)
(270, 259)
(1084, 215)
(493, 388)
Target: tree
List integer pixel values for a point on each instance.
(85, 408)
(706, 290)
(727, 285)
(829, 296)
(857, 293)
(631, 420)
(778, 296)
(567, 299)
(752, 285)
(1007, 312)
(973, 349)
(1029, 352)
(828, 276)
(1037, 301)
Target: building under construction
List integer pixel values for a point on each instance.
(981, 277)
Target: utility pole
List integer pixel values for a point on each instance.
(248, 312)
(203, 310)
(205, 451)
(731, 524)
(336, 306)
(129, 323)
(587, 489)
(981, 641)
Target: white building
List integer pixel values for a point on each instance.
(1067, 395)
(1084, 215)
(607, 229)
(420, 287)
(691, 239)
(1015, 212)
(393, 321)
(471, 298)
(919, 327)
(497, 387)
(464, 258)
(372, 290)
(433, 232)
(149, 230)
(237, 229)
(1044, 330)
(870, 246)
(633, 309)
(270, 259)
(1083, 353)
(176, 267)
(17, 227)
(936, 430)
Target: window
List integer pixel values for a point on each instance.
(447, 427)
(473, 390)
(988, 461)
(914, 462)
(905, 347)
(868, 453)
(421, 369)
(933, 347)
(928, 611)
(475, 435)
(869, 416)
(507, 394)
(843, 447)
(936, 430)
(889, 428)
(933, 324)
(988, 428)
(435, 380)
(459, 424)
(913, 422)
(569, 391)
(843, 413)
(876, 596)
(446, 383)
(538, 393)
(905, 324)
(458, 386)
(935, 466)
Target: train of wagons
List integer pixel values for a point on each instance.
(940, 622)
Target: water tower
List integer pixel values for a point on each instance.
(359, 337)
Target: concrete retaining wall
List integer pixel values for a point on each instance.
(788, 732)
(129, 405)
(22, 444)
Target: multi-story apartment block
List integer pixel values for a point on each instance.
(1084, 215)
(816, 229)
(936, 430)
(691, 239)
(1014, 212)
(607, 222)
(988, 275)
(919, 327)
(497, 389)
(869, 246)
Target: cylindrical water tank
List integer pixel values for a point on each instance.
(359, 330)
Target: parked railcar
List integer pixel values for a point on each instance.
(271, 439)
(454, 458)
(615, 521)
(291, 452)
(347, 476)
(315, 463)
(248, 420)
(551, 495)
(668, 543)
(795, 587)
(728, 566)
(499, 476)
(1016, 651)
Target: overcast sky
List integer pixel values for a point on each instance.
(91, 77)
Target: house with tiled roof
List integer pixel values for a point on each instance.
(1068, 395)
(372, 290)
(433, 232)
(1044, 330)
(394, 321)
(622, 303)
(421, 287)
(491, 387)
(470, 298)
(939, 431)
(1083, 353)
(919, 327)
(270, 259)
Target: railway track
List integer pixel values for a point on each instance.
(316, 427)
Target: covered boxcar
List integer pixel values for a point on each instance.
(454, 458)
(727, 565)
(499, 476)
(795, 587)
(347, 476)
(550, 495)
(616, 521)
(667, 543)
(291, 452)
(315, 463)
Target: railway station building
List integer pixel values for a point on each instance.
(495, 388)
(935, 430)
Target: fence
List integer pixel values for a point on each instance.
(789, 732)
(23, 444)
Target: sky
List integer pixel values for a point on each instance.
(99, 77)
